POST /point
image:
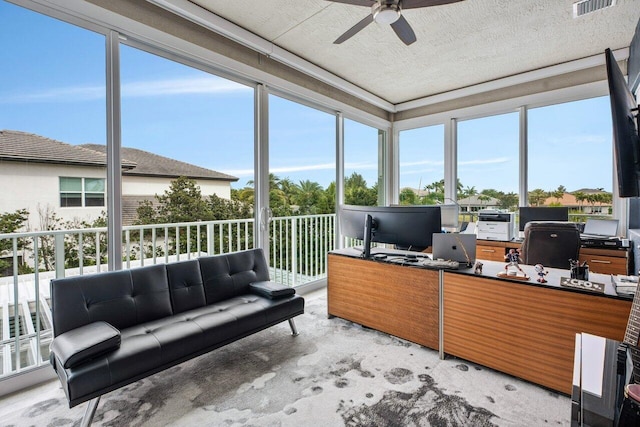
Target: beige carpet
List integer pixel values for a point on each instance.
(334, 373)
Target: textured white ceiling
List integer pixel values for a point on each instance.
(459, 45)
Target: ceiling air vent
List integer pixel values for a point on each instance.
(584, 7)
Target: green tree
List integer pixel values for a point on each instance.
(537, 197)
(408, 197)
(307, 196)
(11, 222)
(182, 202)
(558, 193)
(356, 191)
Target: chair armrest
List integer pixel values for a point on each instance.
(85, 343)
(271, 289)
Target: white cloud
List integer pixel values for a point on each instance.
(484, 161)
(168, 87)
(301, 168)
(421, 163)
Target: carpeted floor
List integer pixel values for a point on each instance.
(334, 373)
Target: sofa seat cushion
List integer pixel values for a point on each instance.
(158, 344)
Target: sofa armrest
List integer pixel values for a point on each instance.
(85, 343)
(271, 289)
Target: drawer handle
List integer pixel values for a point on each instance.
(488, 250)
(598, 261)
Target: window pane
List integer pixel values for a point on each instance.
(70, 200)
(52, 98)
(94, 184)
(488, 162)
(363, 160)
(189, 135)
(422, 166)
(571, 157)
(94, 199)
(70, 184)
(301, 158)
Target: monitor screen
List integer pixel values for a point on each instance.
(542, 213)
(626, 141)
(405, 226)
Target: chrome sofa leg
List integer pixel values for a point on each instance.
(90, 412)
(294, 330)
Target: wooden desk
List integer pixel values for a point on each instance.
(600, 260)
(401, 301)
(525, 329)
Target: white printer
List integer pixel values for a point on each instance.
(495, 225)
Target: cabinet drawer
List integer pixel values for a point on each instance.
(490, 253)
(605, 265)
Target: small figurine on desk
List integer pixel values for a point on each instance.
(513, 257)
(541, 273)
(478, 268)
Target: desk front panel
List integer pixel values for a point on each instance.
(398, 300)
(525, 330)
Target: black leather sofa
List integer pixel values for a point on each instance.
(114, 328)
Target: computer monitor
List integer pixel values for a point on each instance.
(542, 213)
(411, 227)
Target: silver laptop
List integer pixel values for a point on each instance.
(600, 228)
(455, 247)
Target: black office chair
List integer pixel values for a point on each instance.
(550, 243)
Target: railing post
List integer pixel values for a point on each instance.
(211, 244)
(59, 255)
(294, 250)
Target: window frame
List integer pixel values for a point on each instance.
(83, 192)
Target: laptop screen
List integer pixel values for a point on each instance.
(455, 247)
(601, 227)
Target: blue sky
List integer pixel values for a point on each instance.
(54, 87)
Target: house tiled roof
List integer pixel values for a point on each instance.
(23, 146)
(130, 205)
(149, 164)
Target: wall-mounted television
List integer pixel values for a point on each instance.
(626, 141)
(541, 213)
(410, 227)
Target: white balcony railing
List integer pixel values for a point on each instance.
(298, 247)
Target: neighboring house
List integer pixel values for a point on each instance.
(40, 174)
(585, 207)
(477, 203)
(153, 174)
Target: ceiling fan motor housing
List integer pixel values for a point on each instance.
(386, 11)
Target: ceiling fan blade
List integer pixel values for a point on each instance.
(404, 31)
(367, 3)
(414, 4)
(353, 30)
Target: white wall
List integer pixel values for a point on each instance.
(32, 185)
(150, 186)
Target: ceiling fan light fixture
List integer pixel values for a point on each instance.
(386, 14)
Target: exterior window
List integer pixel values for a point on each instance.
(571, 157)
(77, 192)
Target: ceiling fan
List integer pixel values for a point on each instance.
(388, 12)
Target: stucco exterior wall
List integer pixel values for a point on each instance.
(34, 186)
(150, 186)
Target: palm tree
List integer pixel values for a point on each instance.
(537, 197)
(307, 195)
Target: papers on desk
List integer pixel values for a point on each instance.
(588, 369)
(624, 285)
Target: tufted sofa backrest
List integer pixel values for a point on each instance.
(229, 275)
(128, 297)
(122, 298)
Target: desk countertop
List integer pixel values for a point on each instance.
(491, 270)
